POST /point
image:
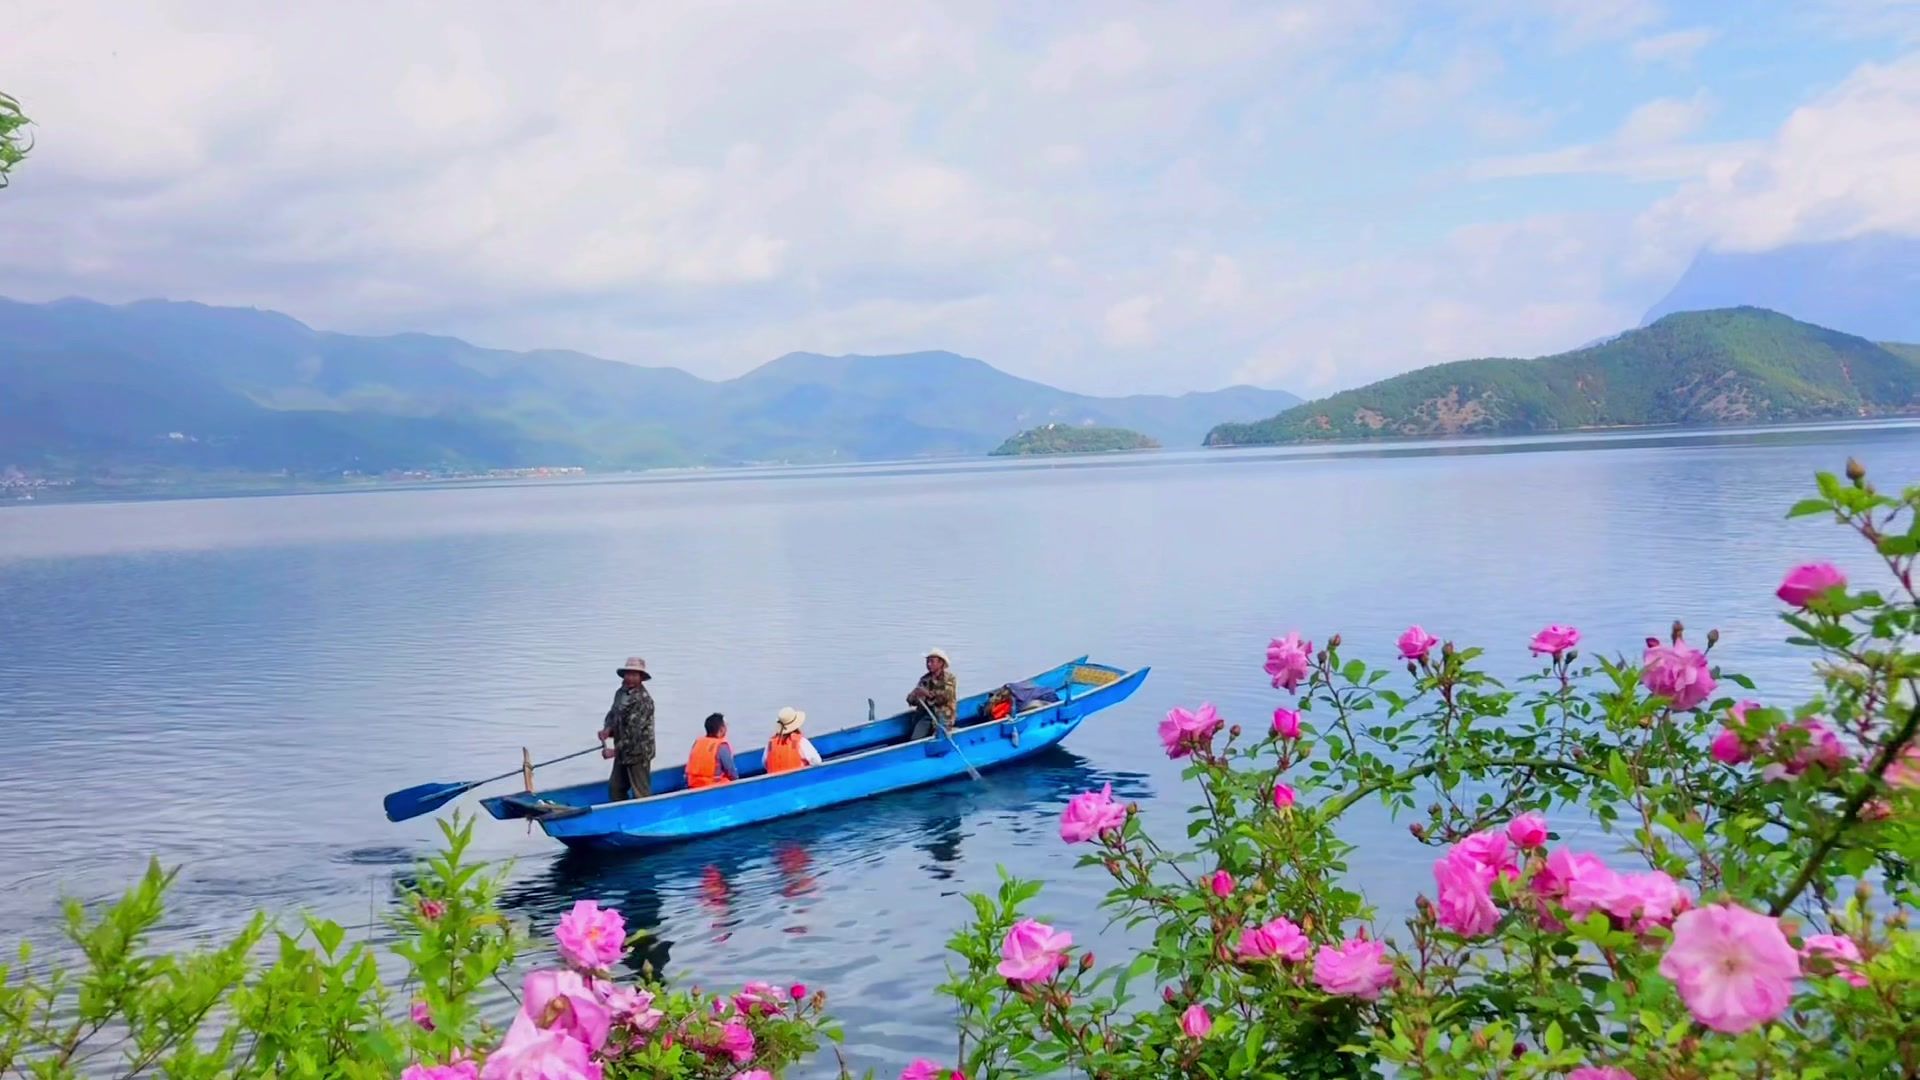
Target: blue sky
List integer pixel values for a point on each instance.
(1111, 197)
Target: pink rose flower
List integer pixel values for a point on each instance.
(798, 990)
(1489, 849)
(921, 1069)
(433, 910)
(530, 1051)
(1465, 902)
(421, 1015)
(1221, 883)
(1554, 640)
(1183, 732)
(1286, 723)
(1195, 1023)
(1822, 748)
(1090, 814)
(1033, 951)
(1528, 831)
(758, 999)
(1839, 952)
(1733, 967)
(1416, 643)
(1598, 1072)
(1282, 797)
(1809, 582)
(591, 938)
(455, 1070)
(762, 1074)
(1677, 672)
(1577, 879)
(737, 1040)
(1644, 901)
(1289, 659)
(1904, 771)
(562, 1001)
(1354, 968)
(1727, 748)
(628, 1006)
(1279, 938)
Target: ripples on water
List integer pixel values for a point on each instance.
(232, 684)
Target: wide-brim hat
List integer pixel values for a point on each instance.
(941, 653)
(634, 664)
(789, 720)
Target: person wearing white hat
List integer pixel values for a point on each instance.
(788, 749)
(629, 723)
(937, 692)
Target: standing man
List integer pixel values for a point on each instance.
(629, 724)
(937, 691)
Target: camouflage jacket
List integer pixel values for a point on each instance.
(941, 694)
(631, 721)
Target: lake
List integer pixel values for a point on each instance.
(231, 684)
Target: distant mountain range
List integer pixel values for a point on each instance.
(1730, 365)
(1868, 286)
(166, 385)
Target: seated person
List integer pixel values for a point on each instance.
(937, 694)
(711, 761)
(788, 749)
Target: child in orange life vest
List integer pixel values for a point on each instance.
(788, 749)
(711, 761)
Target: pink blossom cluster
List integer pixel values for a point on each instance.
(1289, 659)
(922, 1069)
(1677, 672)
(573, 1020)
(1788, 751)
(1184, 732)
(1582, 883)
(1090, 814)
(1033, 951)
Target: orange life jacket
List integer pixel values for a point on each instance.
(703, 765)
(783, 753)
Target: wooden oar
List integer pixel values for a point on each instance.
(942, 729)
(426, 798)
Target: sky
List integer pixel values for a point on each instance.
(1109, 197)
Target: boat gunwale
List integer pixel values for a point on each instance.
(661, 799)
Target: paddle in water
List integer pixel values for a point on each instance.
(426, 798)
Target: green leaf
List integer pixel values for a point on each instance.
(328, 933)
(1807, 507)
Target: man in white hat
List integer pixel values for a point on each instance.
(788, 749)
(937, 692)
(629, 724)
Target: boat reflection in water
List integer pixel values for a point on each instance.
(823, 872)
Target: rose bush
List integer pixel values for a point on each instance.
(1729, 897)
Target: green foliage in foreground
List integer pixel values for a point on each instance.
(14, 142)
(1735, 365)
(1070, 439)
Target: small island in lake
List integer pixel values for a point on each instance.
(1068, 439)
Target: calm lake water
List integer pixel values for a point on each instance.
(232, 684)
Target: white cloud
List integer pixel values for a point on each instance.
(1129, 323)
(1845, 164)
(1675, 48)
(1650, 144)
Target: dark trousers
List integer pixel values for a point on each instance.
(635, 778)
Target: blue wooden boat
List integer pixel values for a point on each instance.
(857, 762)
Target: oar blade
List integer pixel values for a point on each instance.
(421, 799)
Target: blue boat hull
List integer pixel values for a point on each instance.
(860, 762)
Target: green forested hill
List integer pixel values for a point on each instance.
(1734, 365)
(1067, 439)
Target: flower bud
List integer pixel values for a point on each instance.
(1418, 830)
(1113, 867)
(1166, 995)
(1856, 472)
(1133, 808)
(1333, 642)
(1234, 731)
(1645, 722)
(1678, 631)
(1446, 648)
(1086, 962)
(1713, 637)
(1863, 891)
(1433, 811)
(1480, 1040)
